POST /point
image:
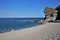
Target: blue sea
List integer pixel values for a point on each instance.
(7, 24)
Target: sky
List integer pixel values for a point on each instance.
(25, 8)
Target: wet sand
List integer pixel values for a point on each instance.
(49, 31)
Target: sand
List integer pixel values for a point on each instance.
(49, 31)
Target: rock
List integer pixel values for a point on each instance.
(58, 13)
(50, 14)
(34, 21)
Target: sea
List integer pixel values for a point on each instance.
(7, 24)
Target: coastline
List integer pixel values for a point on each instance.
(40, 32)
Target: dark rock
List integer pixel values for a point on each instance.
(58, 13)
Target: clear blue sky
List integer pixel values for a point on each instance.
(25, 8)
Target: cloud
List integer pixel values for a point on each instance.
(6, 12)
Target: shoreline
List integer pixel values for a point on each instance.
(40, 32)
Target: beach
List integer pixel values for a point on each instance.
(48, 31)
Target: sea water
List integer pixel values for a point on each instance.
(7, 24)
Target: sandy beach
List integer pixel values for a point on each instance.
(49, 31)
